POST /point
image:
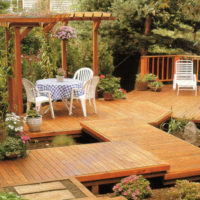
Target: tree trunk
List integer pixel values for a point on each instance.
(148, 23)
(147, 32)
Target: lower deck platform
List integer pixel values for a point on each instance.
(132, 145)
(88, 162)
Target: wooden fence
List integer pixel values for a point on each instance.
(164, 65)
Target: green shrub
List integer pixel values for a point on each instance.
(175, 125)
(133, 187)
(156, 84)
(63, 140)
(185, 190)
(146, 77)
(9, 196)
(150, 77)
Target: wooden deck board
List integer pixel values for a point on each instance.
(116, 121)
(181, 156)
(110, 157)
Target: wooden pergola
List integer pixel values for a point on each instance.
(23, 25)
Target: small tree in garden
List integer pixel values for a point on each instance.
(133, 188)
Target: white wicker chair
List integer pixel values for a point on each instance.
(184, 78)
(89, 94)
(34, 96)
(83, 74)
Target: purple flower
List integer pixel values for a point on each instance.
(65, 33)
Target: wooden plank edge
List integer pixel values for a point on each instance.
(94, 132)
(182, 174)
(123, 173)
(173, 181)
(82, 187)
(162, 119)
(53, 133)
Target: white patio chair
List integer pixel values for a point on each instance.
(83, 74)
(184, 78)
(89, 94)
(34, 96)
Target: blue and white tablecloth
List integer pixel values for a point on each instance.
(60, 90)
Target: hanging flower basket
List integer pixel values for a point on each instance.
(65, 33)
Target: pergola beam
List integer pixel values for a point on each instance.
(49, 27)
(25, 32)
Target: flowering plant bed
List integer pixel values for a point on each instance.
(15, 143)
(133, 187)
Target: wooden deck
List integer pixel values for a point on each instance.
(134, 145)
(85, 162)
(183, 158)
(150, 112)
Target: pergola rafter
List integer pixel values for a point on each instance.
(47, 22)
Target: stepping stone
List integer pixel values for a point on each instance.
(26, 189)
(50, 195)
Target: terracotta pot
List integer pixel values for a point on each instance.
(34, 124)
(12, 156)
(108, 96)
(141, 86)
(59, 78)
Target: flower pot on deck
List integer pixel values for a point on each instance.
(108, 96)
(34, 124)
(141, 85)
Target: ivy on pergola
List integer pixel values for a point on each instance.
(23, 25)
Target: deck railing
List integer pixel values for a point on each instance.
(164, 65)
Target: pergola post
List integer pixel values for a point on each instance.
(17, 103)
(96, 24)
(64, 54)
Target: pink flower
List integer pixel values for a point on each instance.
(137, 191)
(25, 138)
(102, 76)
(133, 195)
(125, 193)
(148, 188)
(120, 189)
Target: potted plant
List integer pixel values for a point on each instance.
(13, 148)
(150, 77)
(141, 83)
(15, 143)
(156, 86)
(110, 87)
(60, 75)
(33, 120)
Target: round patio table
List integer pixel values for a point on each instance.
(60, 90)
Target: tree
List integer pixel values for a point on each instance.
(3, 6)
